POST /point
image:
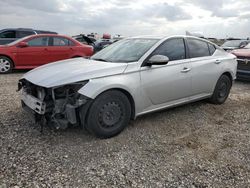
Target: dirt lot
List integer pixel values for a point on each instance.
(196, 145)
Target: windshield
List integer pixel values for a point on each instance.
(232, 43)
(127, 50)
(17, 41)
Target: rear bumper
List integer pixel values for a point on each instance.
(243, 75)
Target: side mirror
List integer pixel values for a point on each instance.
(158, 60)
(23, 44)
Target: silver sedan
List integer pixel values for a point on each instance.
(127, 79)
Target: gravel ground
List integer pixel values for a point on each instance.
(196, 145)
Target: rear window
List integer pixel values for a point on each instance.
(212, 48)
(60, 41)
(197, 48)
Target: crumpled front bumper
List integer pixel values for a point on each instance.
(33, 103)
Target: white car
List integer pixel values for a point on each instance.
(127, 79)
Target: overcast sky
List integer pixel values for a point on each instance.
(213, 18)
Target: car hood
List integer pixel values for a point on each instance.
(242, 52)
(72, 70)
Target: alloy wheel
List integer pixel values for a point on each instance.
(5, 65)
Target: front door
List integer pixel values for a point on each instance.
(170, 82)
(35, 54)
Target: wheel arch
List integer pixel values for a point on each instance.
(230, 76)
(9, 58)
(130, 98)
(126, 93)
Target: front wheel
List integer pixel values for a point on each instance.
(222, 90)
(109, 114)
(6, 65)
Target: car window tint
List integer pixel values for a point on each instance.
(174, 49)
(71, 43)
(197, 48)
(22, 34)
(211, 48)
(40, 41)
(8, 34)
(59, 41)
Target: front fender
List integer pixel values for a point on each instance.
(97, 86)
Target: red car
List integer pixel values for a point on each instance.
(36, 50)
(243, 58)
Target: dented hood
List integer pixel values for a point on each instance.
(72, 70)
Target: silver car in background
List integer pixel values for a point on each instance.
(127, 79)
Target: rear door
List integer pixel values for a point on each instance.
(206, 67)
(35, 54)
(60, 48)
(170, 82)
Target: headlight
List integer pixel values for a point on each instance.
(68, 90)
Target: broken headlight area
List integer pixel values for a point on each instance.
(67, 100)
(57, 106)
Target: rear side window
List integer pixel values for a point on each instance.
(211, 48)
(8, 34)
(40, 41)
(60, 41)
(174, 49)
(22, 34)
(197, 48)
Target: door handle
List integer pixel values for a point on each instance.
(217, 61)
(185, 69)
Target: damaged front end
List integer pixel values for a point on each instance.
(57, 106)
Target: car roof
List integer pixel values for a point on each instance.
(165, 37)
(28, 29)
(172, 36)
(50, 35)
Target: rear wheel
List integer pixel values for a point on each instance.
(222, 90)
(109, 114)
(6, 65)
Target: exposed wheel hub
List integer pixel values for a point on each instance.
(110, 114)
(4, 65)
(223, 90)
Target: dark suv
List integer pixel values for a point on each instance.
(12, 34)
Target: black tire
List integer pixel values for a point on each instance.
(222, 90)
(6, 65)
(109, 114)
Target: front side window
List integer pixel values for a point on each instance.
(197, 48)
(8, 34)
(174, 49)
(40, 41)
(60, 41)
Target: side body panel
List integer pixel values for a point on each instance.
(166, 83)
